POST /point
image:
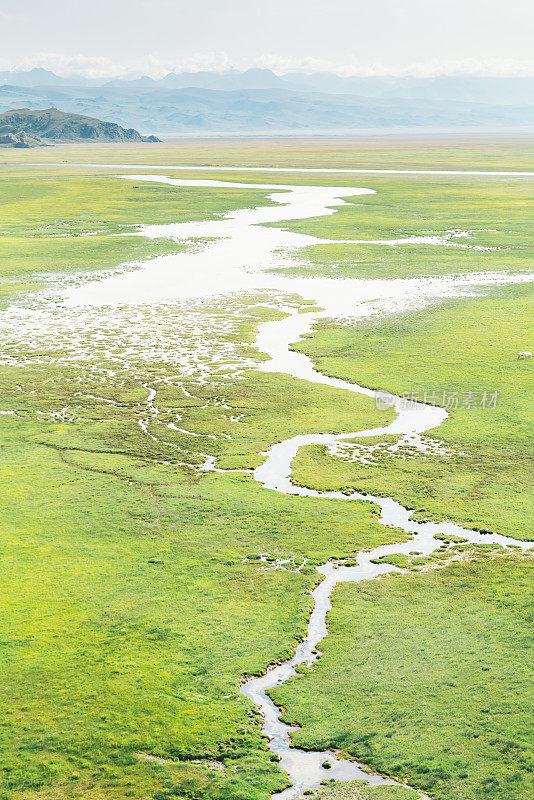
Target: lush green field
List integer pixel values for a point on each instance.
(133, 600)
(357, 790)
(132, 604)
(362, 152)
(426, 677)
(67, 221)
(458, 351)
(493, 212)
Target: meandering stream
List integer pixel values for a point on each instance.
(236, 255)
(305, 768)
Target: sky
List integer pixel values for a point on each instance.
(101, 38)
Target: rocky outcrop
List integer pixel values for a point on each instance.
(27, 127)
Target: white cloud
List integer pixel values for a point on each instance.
(156, 67)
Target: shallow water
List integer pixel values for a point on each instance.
(236, 253)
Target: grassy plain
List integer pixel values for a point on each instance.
(132, 597)
(455, 353)
(391, 151)
(132, 604)
(358, 790)
(62, 222)
(426, 677)
(495, 214)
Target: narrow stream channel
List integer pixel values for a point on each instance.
(304, 768)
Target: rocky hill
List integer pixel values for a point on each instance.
(25, 127)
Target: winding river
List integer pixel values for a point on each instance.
(237, 253)
(305, 768)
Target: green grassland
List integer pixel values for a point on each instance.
(495, 213)
(357, 790)
(426, 677)
(67, 221)
(132, 604)
(60, 219)
(133, 597)
(373, 152)
(133, 600)
(461, 347)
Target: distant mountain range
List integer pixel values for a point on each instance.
(27, 128)
(260, 100)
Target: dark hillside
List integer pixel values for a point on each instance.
(27, 127)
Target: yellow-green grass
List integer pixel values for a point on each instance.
(495, 213)
(360, 790)
(464, 346)
(41, 205)
(133, 600)
(151, 604)
(426, 677)
(53, 223)
(489, 152)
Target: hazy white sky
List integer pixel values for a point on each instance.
(104, 37)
